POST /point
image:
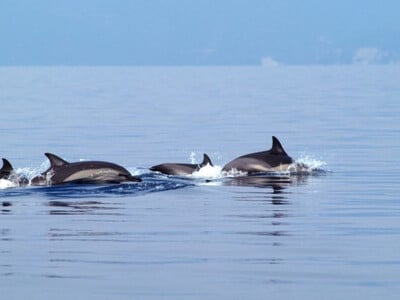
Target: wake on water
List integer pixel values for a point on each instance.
(154, 182)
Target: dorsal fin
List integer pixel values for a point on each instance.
(206, 160)
(7, 167)
(55, 161)
(277, 147)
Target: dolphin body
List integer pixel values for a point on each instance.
(86, 172)
(181, 169)
(275, 159)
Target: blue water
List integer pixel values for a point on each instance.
(332, 235)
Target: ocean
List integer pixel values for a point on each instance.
(331, 234)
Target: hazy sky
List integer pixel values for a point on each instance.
(198, 32)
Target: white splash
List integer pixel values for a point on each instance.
(28, 172)
(233, 173)
(208, 172)
(307, 165)
(6, 184)
(192, 158)
(137, 171)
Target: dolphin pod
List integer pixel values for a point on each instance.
(95, 172)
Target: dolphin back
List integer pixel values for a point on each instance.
(175, 168)
(6, 169)
(206, 161)
(7, 172)
(55, 161)
(277, 147)
(61, 172)
(275, 159)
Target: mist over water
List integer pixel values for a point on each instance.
(328, 226)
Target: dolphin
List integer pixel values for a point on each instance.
(275, 159)
(7, 172)
(61, 172)
(6, 169)
(181, 169)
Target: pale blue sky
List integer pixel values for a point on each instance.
(201, 32)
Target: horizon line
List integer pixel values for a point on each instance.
(199, 66)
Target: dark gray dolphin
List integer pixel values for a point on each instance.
(61, 172)
(275, 159)
(181, 169)
(6, 169)
(7, 172)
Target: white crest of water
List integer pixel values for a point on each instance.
(192, 158)
(209, 172)
(206, 172)
(312, 163)
(137, 171)
(233, 173)
(5, 184)
(307, 164)
(28, 172)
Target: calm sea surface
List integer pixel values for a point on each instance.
(329, 236)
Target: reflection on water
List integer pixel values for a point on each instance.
(57, 234)
(83, 208)
(5, 236)
(97, 232)
(262, 225)
(273, 197)
(6, 207)
(275, 182)
(278, 186)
